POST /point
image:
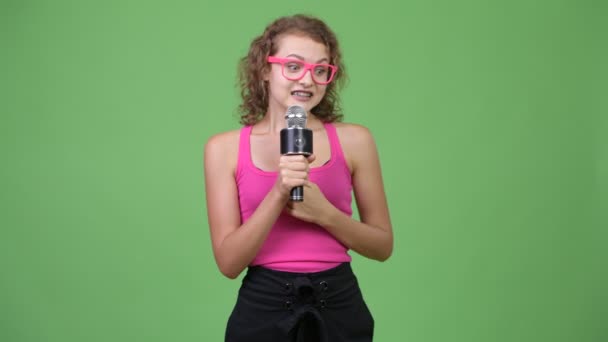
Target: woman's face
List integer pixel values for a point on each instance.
(303, 92)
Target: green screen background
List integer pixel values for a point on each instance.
(490, 120)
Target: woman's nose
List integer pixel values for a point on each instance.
(307, 78)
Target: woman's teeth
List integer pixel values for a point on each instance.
(301, 93)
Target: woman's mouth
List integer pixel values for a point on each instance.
(300, 93)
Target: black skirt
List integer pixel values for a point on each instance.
(276, 306)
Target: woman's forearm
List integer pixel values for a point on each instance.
(373, 242)
(241, 246)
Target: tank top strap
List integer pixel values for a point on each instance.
(334, 142)
(336, 148)
(244, 149)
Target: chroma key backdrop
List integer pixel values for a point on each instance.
(489, 117)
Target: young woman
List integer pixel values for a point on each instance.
(299, 284)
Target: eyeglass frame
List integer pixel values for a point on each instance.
(307, 67)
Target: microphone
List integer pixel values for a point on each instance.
(296, 139)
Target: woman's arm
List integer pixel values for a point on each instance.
(371, 237)
(235, 245)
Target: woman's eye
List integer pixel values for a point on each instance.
(320, 71)
(294, 66)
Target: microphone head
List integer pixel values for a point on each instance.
(295, 117)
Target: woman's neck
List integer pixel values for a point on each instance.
(272, 124)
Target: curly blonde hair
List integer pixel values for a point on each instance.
(252, 68)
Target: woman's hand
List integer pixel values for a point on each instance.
(293, 171)
(314, 208)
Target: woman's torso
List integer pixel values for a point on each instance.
(294, 245)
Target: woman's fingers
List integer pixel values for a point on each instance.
(293, 177)
(297, 163)
(293, 171)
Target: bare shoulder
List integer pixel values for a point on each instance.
(353, 135)
(223, 140)
(357, 144)
(222, 148)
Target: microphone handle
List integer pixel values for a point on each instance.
(296, 141)
(297, 194)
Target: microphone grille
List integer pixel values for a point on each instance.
(296, 117)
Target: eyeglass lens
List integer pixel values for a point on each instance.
(295, 70)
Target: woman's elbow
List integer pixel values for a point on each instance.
(384, 255)
(228, 271)
(386, 252)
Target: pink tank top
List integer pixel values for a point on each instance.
(294, 245)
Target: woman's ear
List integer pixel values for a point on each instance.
(266, 74)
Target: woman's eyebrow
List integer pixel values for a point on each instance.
(302, 58)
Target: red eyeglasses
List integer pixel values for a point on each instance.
(295, 69)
